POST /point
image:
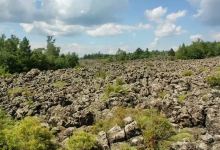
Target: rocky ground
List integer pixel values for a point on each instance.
(74, 98)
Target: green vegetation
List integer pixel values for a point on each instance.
(178, 137)
(182, 98)
(3, 72)
(187, 73)
(198, 50)
(153, 124)
(27, 134)
(115, 88)
(19, 91)
(81, 140)
(125, 146)
(5, 122)
(162, 94)
(59, 84)
(122, 55)
(101, 74)
(16, 56)
(214, 80)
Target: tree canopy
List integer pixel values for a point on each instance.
(16, 55)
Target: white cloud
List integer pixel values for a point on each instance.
(111, 29)
(165, 23)
(196, 37)
(207, 11)
(59, 28)
(174, 16)
(68, 11)
(156, 14)
(168, 29)
(55, 28)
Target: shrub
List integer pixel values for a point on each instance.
(117, 87)
(59, 84)
(125, 146)
(81, 140)
(19, 91)
(178, 137)
(5, 122)
(101, 74)
(154, 125)
(28, 134)
(182, 98)
(187, 73)
(3, 72)
(214, 80)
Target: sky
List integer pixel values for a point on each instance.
(90, 26)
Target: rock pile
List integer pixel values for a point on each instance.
(72, 98)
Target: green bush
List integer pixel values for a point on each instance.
(187, 73)
(214, 80)
(117, 87)
(59, 84)
(101, 74)
(81, 140)
(28, 134)
(178, 137)
(3, 72)
(182, 98)
(155, 126)
(19, 91)
(5, 122)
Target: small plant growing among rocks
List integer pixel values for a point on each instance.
(214, 80)
(19, 91)
(81, 140)
(187, 73)
(4, 73)
(101, 74)
(115, 88)
(59, 84)
(182, 98)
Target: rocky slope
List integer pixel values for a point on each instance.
(74, 98)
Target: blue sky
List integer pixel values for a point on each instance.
(88, 26)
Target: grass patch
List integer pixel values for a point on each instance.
(4, 73)
(113, 89)
(182, 98)
(178, 137)
(187, 73)
(81, 140)
(155, 126)
(125, 146)
(214, 80)
(19, 91)
(59, 84)
(101, 74)
(162, 94)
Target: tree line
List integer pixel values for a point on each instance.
(122, 55)
(16, 56)
(196, 50)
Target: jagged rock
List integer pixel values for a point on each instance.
(202, 146)
(183, 146)
(103, 140)
(116, 134)
(132, 130)
(137, 141)
(128, 120)
(207, 138)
